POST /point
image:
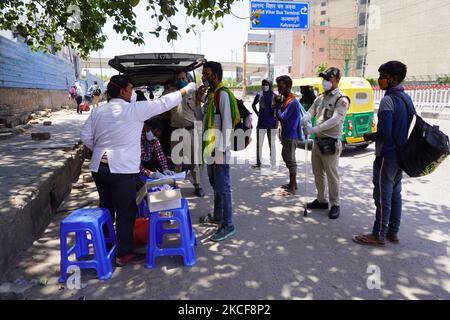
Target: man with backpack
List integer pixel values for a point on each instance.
(394, 118)
(288, 112)
(330, 109)
(221, 116)
(95, 92)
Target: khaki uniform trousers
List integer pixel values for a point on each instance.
(325, 169)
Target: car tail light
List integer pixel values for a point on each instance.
(350, 125)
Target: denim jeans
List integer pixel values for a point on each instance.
(387, 181)
(219, 178)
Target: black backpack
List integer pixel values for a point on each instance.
(425, 149)
(97, 91)
(243, 113)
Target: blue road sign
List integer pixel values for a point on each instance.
(276, 15)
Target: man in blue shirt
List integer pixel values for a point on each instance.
(394, 118)
(288, 112)
(267, 121)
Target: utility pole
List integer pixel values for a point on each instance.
(365, 41)
(268, 58)
(101, 70)
(244, 72)
(302, 56)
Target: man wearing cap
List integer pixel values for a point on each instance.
(330, 109)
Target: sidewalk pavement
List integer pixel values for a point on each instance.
(276, 253)
(35, 177)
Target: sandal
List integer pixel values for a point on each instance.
(286, 187)
(369, 240)
(285, 193)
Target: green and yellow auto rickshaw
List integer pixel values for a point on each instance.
(359, 119)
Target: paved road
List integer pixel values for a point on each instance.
(277, 253)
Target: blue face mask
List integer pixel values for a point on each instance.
(181, 84)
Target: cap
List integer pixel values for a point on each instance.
(331, 73)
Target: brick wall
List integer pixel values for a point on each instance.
(16, 104)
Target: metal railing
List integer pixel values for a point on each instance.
(425, 99)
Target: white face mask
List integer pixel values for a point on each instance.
(265, 88)
(133, 97)
(327, 85)
(150, 136)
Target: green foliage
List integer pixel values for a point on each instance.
(372, 81)
(444, 80)
(321, 68)
(39, 21)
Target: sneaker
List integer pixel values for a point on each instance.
(132, 258)
(317, 205)
(256, 166)
(199, 192)
(334, 212)
(222, 233)
(209, 219)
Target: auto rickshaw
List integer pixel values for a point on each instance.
(359, 119)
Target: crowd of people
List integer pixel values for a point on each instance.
(92, 96)
(130, 122)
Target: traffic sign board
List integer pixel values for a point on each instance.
(276, 15)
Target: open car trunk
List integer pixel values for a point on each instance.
(155, 68)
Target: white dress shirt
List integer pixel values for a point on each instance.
(115, 129)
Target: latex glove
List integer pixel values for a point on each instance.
(306, 118)
(156, 175)
(190, 88)
(307, 123)
(309, 129)
(168, 172)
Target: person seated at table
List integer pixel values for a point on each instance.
(152, 155)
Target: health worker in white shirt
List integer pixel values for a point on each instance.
(113, 133)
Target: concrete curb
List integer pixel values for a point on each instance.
(25, 218)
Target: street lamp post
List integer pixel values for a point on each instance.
(101, 70)
(268, 58)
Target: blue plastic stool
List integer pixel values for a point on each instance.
(156, 232)
(81, 222)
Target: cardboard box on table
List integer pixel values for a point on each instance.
(160, 200)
